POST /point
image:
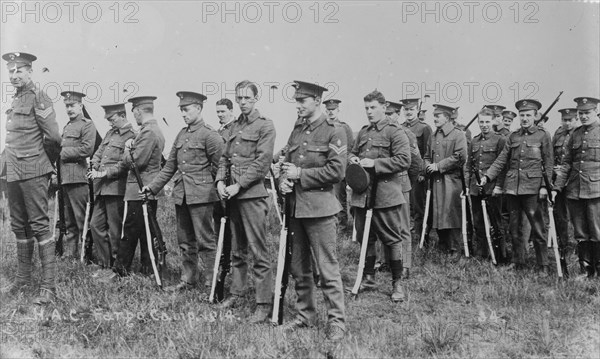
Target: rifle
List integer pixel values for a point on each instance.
(283, 262)
(365, 238)
(486, 218)
(86, 235)
(561, 261)
(464, 200)
(223, 255)
(544, 116)
(154, 242)
(427, 207)
(60, 201)
(473, 119)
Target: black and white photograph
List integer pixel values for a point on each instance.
(300, 179)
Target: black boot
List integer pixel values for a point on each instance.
(397, 291)
(586, 257)
(368, 281)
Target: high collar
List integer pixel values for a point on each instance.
(78, 118)
(151, 121)
(381, 124)
(446, 128)
(28, 86)
(592, 126)
(311, 125)
(531, 130)
(251, 117)
(123, 129)
(193, 127)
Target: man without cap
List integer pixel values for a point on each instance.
(78, 139)
(447, 153)
(32, 143)
(109, 173)
(146, 150)
(527, 155)
(410, 109)
(248, 154)
(579, 178)
(383, 147)
(193, 164)
(332, 110)
(314, 162)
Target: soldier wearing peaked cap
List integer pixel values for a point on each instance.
(193, 164)
(78, 139)
(498, 118)
(32, 142)
(146, 152)
(248, 152)
(110, 178)
(422, 131)
(447, 153)
(579, 178)
(385, 148)
(507, 119)
(332, 110)
(526, 158)
(315, 161)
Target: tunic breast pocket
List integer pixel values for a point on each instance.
(594, 150)
(116, 149)
(198, 153)
(382, 147)
(71, 138)
(317, 154)
(534, 150)
(248, 144)
(21, 119)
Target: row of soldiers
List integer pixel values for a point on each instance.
(230, 164)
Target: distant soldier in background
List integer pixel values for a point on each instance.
(32, 144)
(78, 139)
(498, 120)
(226, 117)
(507, 119)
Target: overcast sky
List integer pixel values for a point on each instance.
(462, 54)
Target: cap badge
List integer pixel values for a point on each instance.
(584, 101)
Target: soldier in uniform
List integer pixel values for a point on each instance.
(78, 139)
(423, 132)
(146, 150)
(315, 160)
(484, 149)
(570, 121)
(447, 153)
(528, 155)
(332, 109)
(248, 152)
(109, 173)
(32, 142)
(193, 164)
(460, 126)
(226, 117)
(507, 119)
(498, 119)
(579, 177)
(384, 147)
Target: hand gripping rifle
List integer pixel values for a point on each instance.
(486, 218)
(367, 229)
(87, 241)
(283, 260)
(544, 116)
(223, 255)
(59, 221)
(427, 207)
(153, 242)
(561, 261)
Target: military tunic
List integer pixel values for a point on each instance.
(249, 150)
(78, 139)
(107, 218)
(525, 153)
(319, 149)
(561, 209)
(340, 187)
(192, 164)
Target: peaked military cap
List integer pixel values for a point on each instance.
(306, 89)
(110, 110)
(527, 104)
(142, 100)
(509, 114)
(392, 107)
(332, 104)
(410, 102)
(568, 113)
(357, 178)
(18, 59)
(586, 103)
(72, 96)
(437, 108)
(486, 111)
(496, 109)
(189, 97)
(454, 114)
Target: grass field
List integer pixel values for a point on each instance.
(468, 309)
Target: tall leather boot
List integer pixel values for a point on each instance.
(368, 281)
(24, 263)
(586, 257)
(48, 259)
(397, 291)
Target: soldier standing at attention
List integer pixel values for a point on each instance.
(109, 173)
(249, 152)
(579, 178)
(314, 162)
(32, 142)
(78, 139)
(193, 164)
(527, 155)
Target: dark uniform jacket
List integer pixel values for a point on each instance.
(449, 148)
(388, 145)
(225, 131)
(349, 134)
(483, 152)
(524, 153)
(319, 148)
(503, 132)
(147, 152)
(580, 171)
(193, 164)
(31, 130)
(109, 158)
(416, 161)
(78, 139)
(422, 131)
(559, 145)
(249, 149)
